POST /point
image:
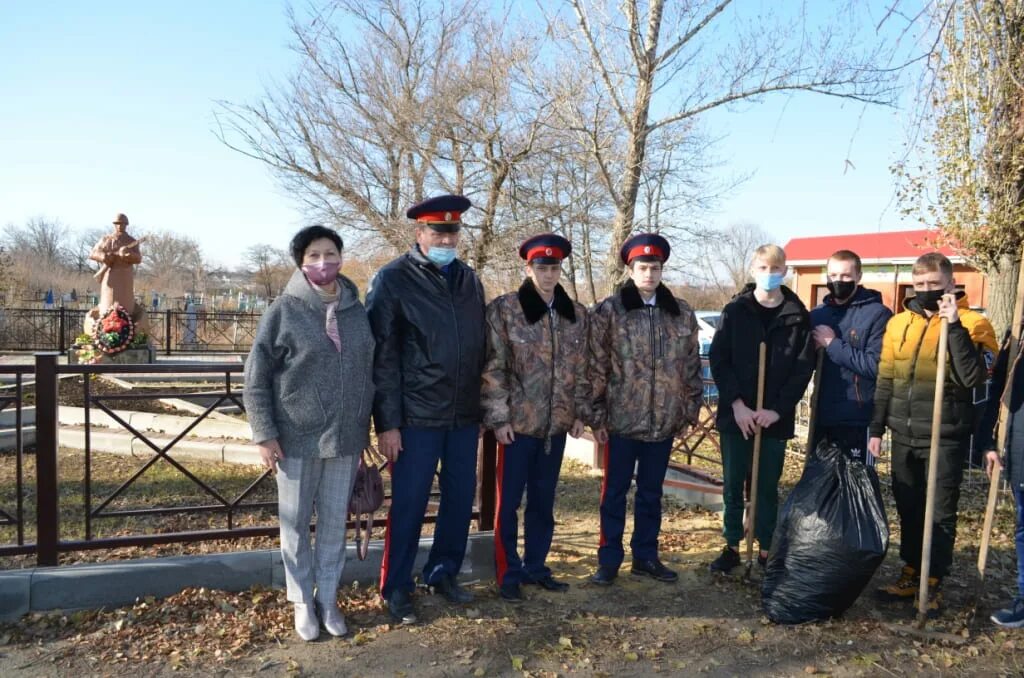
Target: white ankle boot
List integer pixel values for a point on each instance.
(334, 620)
(306, 623)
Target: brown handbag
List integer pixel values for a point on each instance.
(367, 497)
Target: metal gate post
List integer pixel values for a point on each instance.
(47, 510)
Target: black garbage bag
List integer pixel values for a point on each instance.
(830, 539)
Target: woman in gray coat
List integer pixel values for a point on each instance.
(308, 396)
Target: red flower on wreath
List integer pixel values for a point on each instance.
(115, 331)
(112, 323)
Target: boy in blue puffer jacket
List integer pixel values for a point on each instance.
(848, 326)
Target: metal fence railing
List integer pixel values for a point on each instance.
(12, 504)
(33, 506)
(36, 329)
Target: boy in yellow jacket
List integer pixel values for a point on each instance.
(903, 403)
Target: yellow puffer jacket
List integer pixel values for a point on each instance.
(906, 373)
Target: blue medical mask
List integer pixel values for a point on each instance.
(441, 256)
(768, 281)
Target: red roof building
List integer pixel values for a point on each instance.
(887, 259)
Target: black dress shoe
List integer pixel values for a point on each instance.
(549, 583)
(450, 589)
(511, 593)
(653, 569)
(604, 576)
(400, 608)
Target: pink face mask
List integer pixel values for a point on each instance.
(321, 273)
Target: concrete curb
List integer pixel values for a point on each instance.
(165, 423)
(123, 443)
(77, 587)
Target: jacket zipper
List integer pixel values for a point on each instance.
(913, 369)
(551, 390)
(458, 349)
(654, 369)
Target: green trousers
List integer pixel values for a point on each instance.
(737, 458)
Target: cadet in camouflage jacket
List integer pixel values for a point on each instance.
(534, 392)
(535, 377)
(644, 365)
(647, 388)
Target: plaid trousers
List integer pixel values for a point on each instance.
(305, 484)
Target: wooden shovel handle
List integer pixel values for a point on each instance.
(933, 459)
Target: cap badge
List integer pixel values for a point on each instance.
(548, 252)
(447, 216)
(647, 249)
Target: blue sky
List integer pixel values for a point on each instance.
(108, 107)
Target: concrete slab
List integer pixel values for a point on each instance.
(166, 423)
(584, 450)
(120, 442)
(182, 358)
(693, 487)
(15, 598)
(195, 408)
(163, 379)
(277, 568)
(241, 453)
(8, 416)
(9, 439)
(77, 587)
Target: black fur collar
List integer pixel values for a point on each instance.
(535, 308)
(663, 298)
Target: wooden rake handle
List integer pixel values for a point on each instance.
(756, 461)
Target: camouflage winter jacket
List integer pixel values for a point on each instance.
(535, 375)
(644, 365)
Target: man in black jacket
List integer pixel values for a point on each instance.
(764, 311)
(427, 312)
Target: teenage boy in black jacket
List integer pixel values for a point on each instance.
(770, 312)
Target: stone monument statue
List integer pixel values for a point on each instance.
(118, 253)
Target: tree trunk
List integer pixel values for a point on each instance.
(625, 212)
(1002, 291)
(588, 261)
(639, 130)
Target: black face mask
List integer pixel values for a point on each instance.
(929, 299)
(841, 290)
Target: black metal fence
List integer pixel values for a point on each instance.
(103, 503)
(36, 329)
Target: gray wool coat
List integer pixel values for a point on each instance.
(299, 389)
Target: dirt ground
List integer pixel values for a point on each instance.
(701, 625)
